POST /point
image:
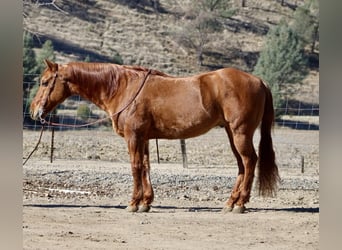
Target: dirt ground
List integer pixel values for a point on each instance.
(79, 200)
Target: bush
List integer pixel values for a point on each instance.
(84, 111)
(282, 61)
(117, 58)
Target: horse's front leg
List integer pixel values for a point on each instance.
(146, 182)
(136, 152)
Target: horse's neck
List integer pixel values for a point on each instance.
(98, 90)
(93, 97)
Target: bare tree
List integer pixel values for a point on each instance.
(197, 33)
(202, 19)
(40, 3)
(28, 5)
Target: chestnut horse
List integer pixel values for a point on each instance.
(146, 104)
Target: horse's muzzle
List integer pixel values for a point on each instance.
(37, 113)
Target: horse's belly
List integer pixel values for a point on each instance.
(184, 126)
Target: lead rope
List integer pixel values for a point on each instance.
(36, 147)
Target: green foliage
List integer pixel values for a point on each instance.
(117, 58)
(46, 52)
(29, 58)
(87, 59)
(84, 111)
(305, 23)
(282, 60)
(29, 68)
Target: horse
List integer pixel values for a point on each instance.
(146, 104)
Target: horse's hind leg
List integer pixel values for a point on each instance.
(242, 146)
(235, 194)
(146, 182)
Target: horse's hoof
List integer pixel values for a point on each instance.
(239, 209)
(227, 209)
(131, 208)
(144, 209)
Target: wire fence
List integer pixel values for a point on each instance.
(295, 138)
(78, 111)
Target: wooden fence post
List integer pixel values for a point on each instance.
(185, 158)
(53, 118)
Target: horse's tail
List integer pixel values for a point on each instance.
(268, 170)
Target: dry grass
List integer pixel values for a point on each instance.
(142, 37)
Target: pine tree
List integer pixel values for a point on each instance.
(282, 60)
(305, 23)
(29, 59)
(47, 52)
(29, 69)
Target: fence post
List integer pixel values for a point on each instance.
(185, 158)
(53, 118)
(52, 142)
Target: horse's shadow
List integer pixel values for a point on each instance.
(248, 210)
(172, 209)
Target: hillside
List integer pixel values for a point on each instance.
(101, 29)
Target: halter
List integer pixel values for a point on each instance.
(44, 100)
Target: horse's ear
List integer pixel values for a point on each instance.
(51, 65)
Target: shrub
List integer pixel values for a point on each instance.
(84, 111)
(117, 58)
(282, 61)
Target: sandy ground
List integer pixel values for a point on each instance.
(79, 200)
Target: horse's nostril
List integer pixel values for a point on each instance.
(34, 114)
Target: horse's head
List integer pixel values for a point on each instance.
(53, 89)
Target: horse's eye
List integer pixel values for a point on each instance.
(45, 83)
